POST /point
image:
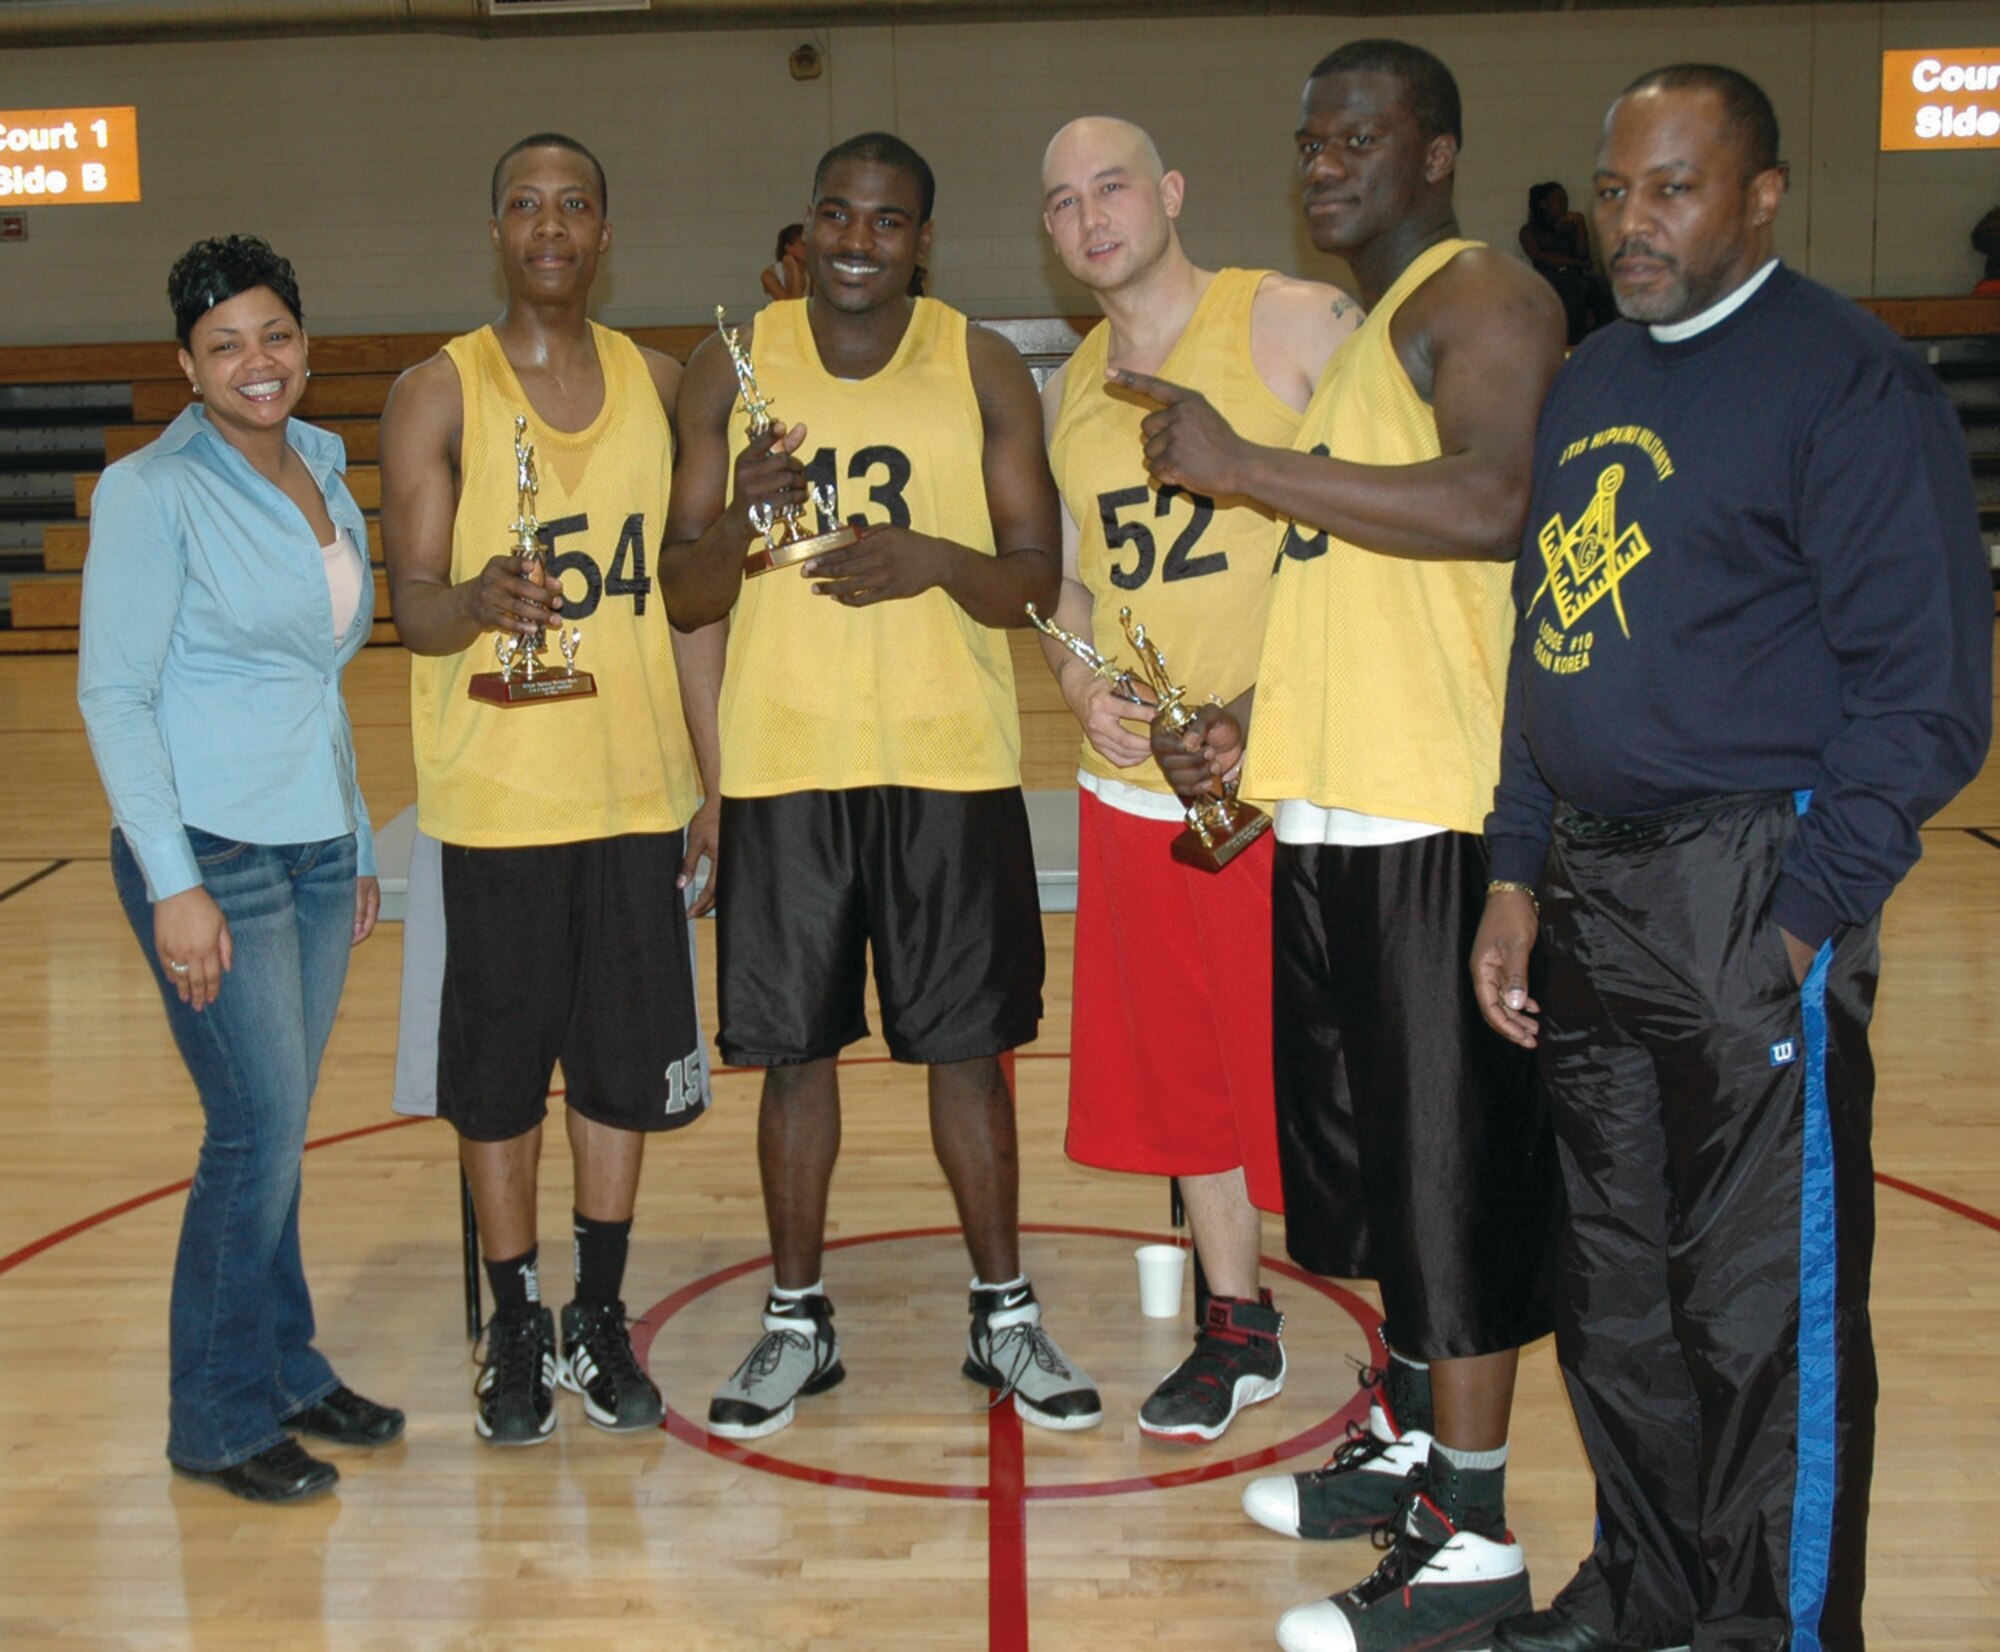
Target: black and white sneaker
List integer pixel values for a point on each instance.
(1362, 1485)
(1237, 1361)
(797, 1354)
(598, 1363)
(1007, 1349)
(1438, 1588)
(516, 1390)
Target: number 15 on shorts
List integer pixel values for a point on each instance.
(687, 1084)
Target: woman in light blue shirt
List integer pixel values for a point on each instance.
(226, 587)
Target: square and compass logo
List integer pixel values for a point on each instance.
(1586, 559)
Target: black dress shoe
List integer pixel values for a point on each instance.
(1552, 1631)
(345, 1418)
(283, 1474)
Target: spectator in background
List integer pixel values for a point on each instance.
(786, 278)
(1558, 245)
(1986, 242)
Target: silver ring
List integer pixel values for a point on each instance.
(178, 969)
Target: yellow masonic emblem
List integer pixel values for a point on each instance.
(1590, 557)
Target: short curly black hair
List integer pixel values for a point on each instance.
(214, 271)
(884, 149)
(1429, 91)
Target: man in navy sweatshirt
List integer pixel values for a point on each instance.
(1754, 654)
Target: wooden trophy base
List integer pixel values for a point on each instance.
(1251, 823)
(497, 690)
(794, 551)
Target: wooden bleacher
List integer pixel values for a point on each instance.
(351, 379)
(352, 375)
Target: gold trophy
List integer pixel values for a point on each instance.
(522, 679)
(1219, 828)
(786, 542)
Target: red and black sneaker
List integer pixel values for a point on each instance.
(1237, 1361)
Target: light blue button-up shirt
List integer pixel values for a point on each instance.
(210, 675)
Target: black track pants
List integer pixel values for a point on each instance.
(1713, 1120)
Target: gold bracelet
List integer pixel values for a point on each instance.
(1502, 886)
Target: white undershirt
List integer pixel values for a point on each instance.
(1129, 799)
(1721, 310)
(1296, 822)
(343, 580)
(1300, 822)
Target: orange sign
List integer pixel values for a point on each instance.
(69, 157)
(1941, 99)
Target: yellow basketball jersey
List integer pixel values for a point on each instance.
(820, 697)
(1383, 677)
(565, 770)
(1195, 571)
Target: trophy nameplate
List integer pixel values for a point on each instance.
(1220, 827)
(522, 678)
(785, 542)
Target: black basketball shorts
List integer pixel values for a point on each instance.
(571, 952)
(1415, 1144)
(941, 885)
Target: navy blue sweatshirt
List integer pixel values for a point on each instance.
(1752, 563)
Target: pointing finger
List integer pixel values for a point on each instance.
(1163, 391)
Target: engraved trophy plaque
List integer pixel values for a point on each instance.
(1219, 828)
(522, 678)
(786, 541)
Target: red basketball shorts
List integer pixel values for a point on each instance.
(1170, 1041)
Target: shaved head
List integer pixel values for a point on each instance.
(1109, 203)
(1101, 143)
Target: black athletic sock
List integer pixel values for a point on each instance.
(600, 1258)
(1407, 1386)
(516, 1284)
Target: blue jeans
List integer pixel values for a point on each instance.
(242, 1321)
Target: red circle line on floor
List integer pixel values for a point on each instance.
(1006, 1492)
(692, 1433)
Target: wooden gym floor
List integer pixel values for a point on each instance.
(895, 1513)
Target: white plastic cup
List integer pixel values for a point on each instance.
(1160, 1270)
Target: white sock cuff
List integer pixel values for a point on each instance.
(1496, 1458)
(816, 1288)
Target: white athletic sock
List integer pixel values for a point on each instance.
(816, 1288)
(1496, 1458)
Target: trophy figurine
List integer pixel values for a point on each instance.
(1219, 828)
(522, 678)
(786, 542)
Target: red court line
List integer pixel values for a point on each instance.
(49, 1240)
(1942, 1201)
(1006, 1532)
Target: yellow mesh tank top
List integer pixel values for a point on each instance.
(567, 770)
(1383, 677)
(818, 697)
(1194, 570)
